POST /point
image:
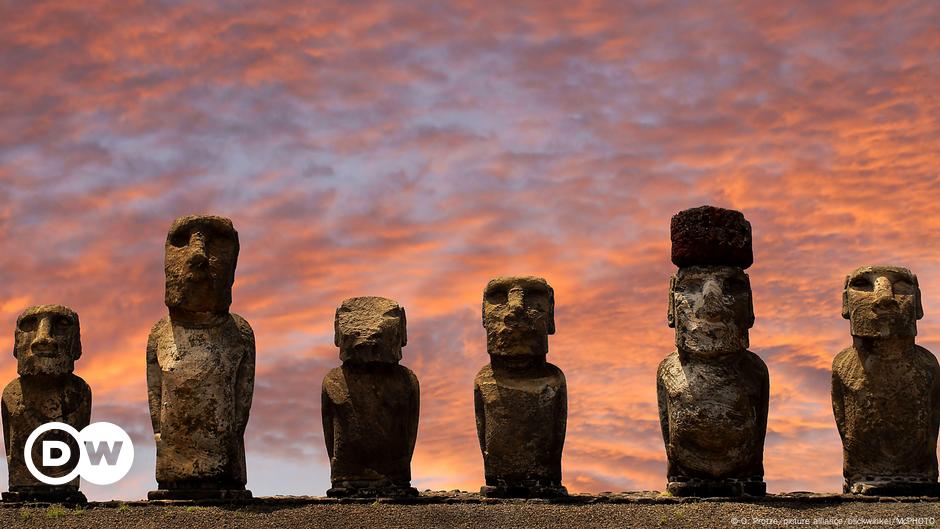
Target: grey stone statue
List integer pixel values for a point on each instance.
(886, 389)
(200, 367)
(47, 343)
(712, 392)
(370, 404)
(520, 400)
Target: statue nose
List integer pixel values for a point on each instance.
(516, 301)
(197, 245)
(884, 292)
(712, 296)
(43, 340)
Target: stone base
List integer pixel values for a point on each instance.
(372, 489)
(523, 490)
(45, 496)
(720, 488)
(199, 494)
(893, 488)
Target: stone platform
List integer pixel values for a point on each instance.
(463, 509)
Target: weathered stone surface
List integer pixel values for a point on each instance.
(200, 367)
(370, 404)
(708, 235)
(47, 343)
(886, 389)
(712, 392)
(520, 400)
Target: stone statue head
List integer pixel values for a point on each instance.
(47, 341)
(882, 302)
(518, 314)
(370, 329)
(711, 309)
(710, 296)
(201, 254)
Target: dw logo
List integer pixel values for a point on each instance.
(105, 453)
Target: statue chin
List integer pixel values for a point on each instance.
(714, 340)
(45, 365)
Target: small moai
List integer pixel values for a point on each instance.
(370, 404)
(46, 345)
(885, 388)
(520, 400)
(200, 367)
(712, 391)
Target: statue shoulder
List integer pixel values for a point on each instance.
(80, 385)
(13, 392)
(845, 359)
(160, 327)
(334, 384)
(756, 362)
(333, 376)
(556, 372)
(408, 373)
(669, 363)
(483, 375)
(927, 358)
(243, 328)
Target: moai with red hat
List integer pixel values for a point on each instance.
(712, 391)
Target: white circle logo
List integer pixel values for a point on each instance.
(106, 453)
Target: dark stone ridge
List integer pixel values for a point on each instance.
(370, 403)
(47, 342)
(200, 367)
(429, 497)
(520, 400)
(707, 235)
(885, 388)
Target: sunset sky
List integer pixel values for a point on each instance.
(414, 150)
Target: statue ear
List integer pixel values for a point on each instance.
(845, 298)
(750, 303)
(77, 344)
(917, 300)
(336, 328)
(671, 311)
(551, 310)
(403, 327)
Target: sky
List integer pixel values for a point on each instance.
(414, 150)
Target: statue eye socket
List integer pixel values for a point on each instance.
(61, 323)
(28, 324)
(688, 286)
(903, 287)
(736, 285)
(180, 238)
(497, 296)
(862, 283)
(536, 300)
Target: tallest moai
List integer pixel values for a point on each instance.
(200, 367)
(712, 392)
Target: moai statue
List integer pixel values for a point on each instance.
(712, 392)
(521, 401)
(886, 389)
(46, 345)
(200, 367)
(370, 403)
